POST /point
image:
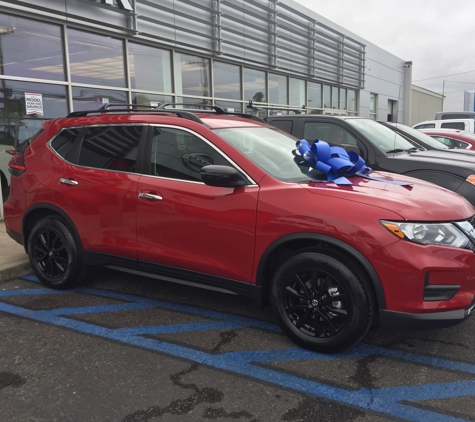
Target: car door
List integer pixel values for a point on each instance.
(97, 185)
(183, 223)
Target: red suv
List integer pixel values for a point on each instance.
(228, 201)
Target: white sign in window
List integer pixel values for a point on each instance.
(34, 103)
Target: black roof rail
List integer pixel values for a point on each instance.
(258, 107)
(211, 109)
(136, 108)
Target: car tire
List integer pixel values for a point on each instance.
(55, 255)
(320, 302)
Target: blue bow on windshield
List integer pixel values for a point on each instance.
(336, 162)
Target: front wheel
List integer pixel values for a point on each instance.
(320, 303)
(55, 254)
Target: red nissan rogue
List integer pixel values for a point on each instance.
(228, 201)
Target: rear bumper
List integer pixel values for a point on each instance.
(401, 320)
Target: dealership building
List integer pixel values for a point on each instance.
(59, 56)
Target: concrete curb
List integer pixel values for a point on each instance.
(17, 270)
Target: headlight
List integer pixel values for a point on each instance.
(443, 234)
(471, 179)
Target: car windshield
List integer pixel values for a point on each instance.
(381, 136)
(422, 137)
(272, 150)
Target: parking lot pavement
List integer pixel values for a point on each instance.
(127, 348)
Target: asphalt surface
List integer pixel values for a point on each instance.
(128, 348)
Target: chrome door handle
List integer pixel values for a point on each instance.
(150, 196)
(68, 181)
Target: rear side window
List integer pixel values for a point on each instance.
(64, 141)
(111, 147)
(453, 125)
(285, 125)
(426, 126)
(328, 132)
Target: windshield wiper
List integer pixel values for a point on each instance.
(392, 151)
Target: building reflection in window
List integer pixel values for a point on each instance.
(192, 75)
(30, 49)
(278, 89)
(227, 81)
(93, 99)
(314, 95)
(96, 59)
(255, 85)
(150, 68)
(297, 92)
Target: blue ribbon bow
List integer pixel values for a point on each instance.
(336, 162)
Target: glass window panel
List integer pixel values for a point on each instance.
(63, 143)
(327, 96)
(372, 103)
(192, 75)
(227, 81)
(150, 99)
(335, 97)
(30, 49)
(297, 92)
(178, 154)
(96, 59)
(192, 101)
(229, 106)
(16, 124)
(351, 100)
(314, 95)
(254, 85)
(111, 147)
(150, 68)
(342, 99)
(93, 98)
(373, 106)
(278, 89)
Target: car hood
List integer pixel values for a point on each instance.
(419, 201)
(442, 159)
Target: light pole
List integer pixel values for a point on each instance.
(443, 92)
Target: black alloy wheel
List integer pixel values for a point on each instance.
(320, 302)
(54, 254)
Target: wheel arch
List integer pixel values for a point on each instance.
(38, 211)
(288, 245)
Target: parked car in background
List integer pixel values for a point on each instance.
(444, 115)
(460, 124)
(452, 138)
(384, 149)
(229, 202)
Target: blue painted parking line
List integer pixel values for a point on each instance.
(384, 400)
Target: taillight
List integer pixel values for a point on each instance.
(16, 166)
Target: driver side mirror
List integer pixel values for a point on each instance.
(222, 176)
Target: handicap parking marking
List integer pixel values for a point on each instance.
(393, 401)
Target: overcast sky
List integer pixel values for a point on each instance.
(438, 36)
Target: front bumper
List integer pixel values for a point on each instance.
(402, 320)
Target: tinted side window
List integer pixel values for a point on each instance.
(328, 132)
(63, 143)
(285, 125)
(178, 154)
(426, 126)
(111, 147)
(453, 125)
(444, 140)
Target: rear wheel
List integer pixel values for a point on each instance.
(55, 254)
(320, 302)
